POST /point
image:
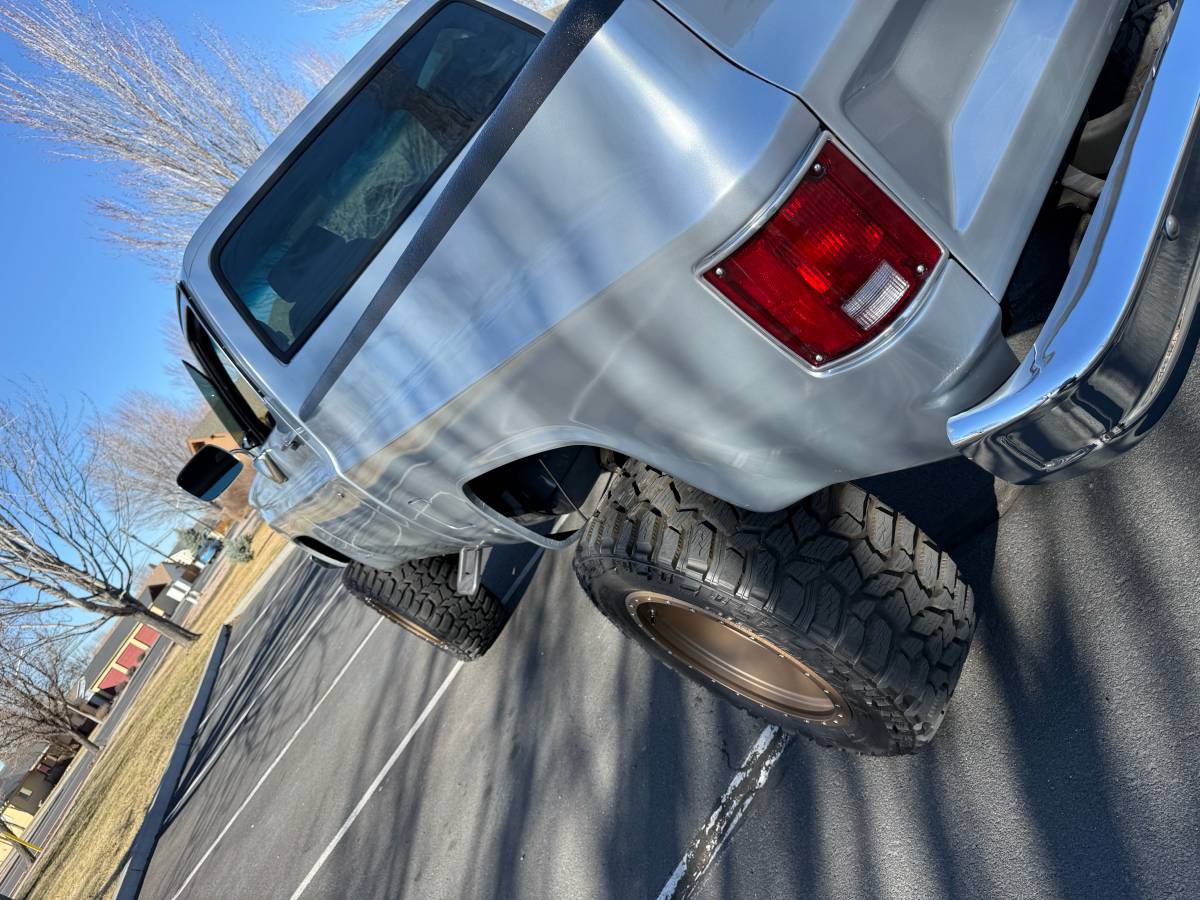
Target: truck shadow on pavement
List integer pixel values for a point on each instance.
(567, 763)
(1062, 769)
(239, 701)
(236, 687)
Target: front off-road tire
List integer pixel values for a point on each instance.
(836, 618)
(420, 597)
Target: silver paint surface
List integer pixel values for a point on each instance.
(563, 307)
(964, 108)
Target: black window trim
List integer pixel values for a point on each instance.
(213, 369)
(214, 258)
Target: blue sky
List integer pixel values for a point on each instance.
(76, 314)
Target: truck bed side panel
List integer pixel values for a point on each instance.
(963, 107)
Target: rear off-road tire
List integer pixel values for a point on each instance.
(420, 597)
(836, 618)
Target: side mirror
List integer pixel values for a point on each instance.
(209, 473)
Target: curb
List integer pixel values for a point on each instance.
(146, 839)
(252, 592)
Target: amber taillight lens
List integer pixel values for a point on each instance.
(833, 267)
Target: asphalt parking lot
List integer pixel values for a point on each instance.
(343, 758)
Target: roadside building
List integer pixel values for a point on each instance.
(27, 775)
(168, 585)
(115, 661)
(168, 590)
(211, 431)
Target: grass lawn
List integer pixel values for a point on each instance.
(83, 862)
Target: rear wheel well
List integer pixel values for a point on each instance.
(545, 485)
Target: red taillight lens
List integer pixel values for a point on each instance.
(833, 267)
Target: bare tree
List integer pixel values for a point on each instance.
(178, 352)
(63, 543)
(36, 677)
(179, 125)
(371, 14)
(318, 67)
(141, 445)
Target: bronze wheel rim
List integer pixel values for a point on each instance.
(736, 658)
(416, 629)
(406, 624)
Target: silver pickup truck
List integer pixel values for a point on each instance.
(666, 280)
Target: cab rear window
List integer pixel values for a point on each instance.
(307, 239)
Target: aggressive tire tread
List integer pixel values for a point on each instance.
(422, 592)
(843, 580)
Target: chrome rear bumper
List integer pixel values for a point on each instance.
(1118, 342)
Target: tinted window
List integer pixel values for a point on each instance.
(322, 222)
(227, 392)
(212, 396)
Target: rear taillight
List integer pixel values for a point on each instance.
(833, 267)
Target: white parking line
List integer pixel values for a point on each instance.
(279, 756)
(195, 782)
(400, 748)
(374, 785)
(712, 837)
